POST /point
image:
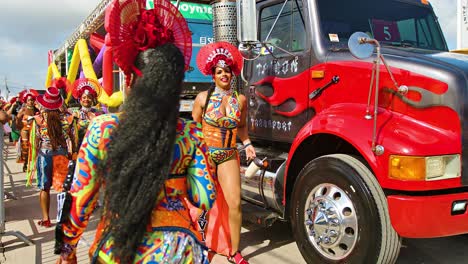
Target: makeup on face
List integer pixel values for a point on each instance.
(30, 101)
(222, 77)
(86, 100)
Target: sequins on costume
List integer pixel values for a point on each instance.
(171, 237)
(220, 127)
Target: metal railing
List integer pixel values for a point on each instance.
(3, 233)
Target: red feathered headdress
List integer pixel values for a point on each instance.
(23, 95)
(133, 29)
(221, 54)
(62, 83)
(13, 100)
(85, 86)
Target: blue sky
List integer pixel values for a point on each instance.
(28, 29)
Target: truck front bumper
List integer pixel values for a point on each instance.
(429, 216)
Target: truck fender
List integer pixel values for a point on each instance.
(398, 133)
(345, 121)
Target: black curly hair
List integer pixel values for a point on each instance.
(139, 154)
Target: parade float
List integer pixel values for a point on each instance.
(86, 53)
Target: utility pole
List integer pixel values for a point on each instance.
(7, 89)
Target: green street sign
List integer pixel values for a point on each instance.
(149, 4)
(195, 11)
(189, 10)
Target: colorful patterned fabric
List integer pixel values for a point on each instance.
(172, 234)
(25, 130)
(82, 117)
(220, 127)
(31, 172)
(220, 155)
(215, 116)
(45, 166)
(164, 247)
(43, 134)
(40, 141)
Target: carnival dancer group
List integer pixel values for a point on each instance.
(171, 186)
(46, 134)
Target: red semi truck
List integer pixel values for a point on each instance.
(360, 153)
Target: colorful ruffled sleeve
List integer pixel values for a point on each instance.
(200, 171)
(87, 181)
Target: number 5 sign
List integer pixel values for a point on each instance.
(385, 30)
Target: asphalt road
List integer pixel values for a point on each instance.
(259, 245)
(275, 245)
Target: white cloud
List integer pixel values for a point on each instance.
(11, 50)
(43, 22)
(51, 6)
(28, 28)
(446, 11)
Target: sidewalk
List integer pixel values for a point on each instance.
(22, 212)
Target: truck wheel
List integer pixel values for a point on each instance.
(339, 214)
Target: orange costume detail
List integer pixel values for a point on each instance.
(220, 131)
(219, 128)
(26, 127)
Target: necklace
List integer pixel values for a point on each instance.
(85, 109)
(223, 92)
(84, 112)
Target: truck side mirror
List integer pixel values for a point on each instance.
(247, 21)
(249, 45)
(360, 45)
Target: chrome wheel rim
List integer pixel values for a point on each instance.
(331, 221)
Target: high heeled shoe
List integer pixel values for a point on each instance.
(45, 223)
(237, 258)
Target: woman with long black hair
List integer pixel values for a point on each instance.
(153, 165)
(50, 139)
(223, 113)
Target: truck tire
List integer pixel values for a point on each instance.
(339, 214)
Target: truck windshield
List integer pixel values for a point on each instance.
(402, 23)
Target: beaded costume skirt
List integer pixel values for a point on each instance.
(175, 247)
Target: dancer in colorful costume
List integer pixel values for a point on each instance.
(154, 166)
(23, 122)
(86, 92)
(223, 112)
(50, 148)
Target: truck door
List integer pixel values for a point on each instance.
(279, 77)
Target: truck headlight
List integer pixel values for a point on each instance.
(412, 168)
